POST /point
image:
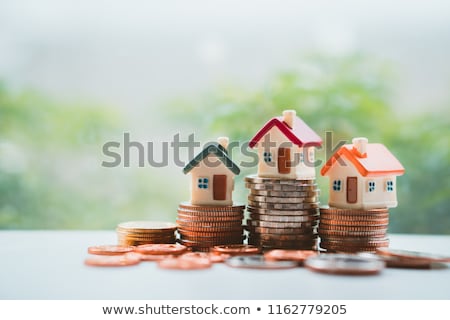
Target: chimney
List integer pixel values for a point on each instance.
(359, 145)
(288, 117)
(223, 141)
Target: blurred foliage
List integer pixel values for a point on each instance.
(50, 152)
(50, 167)
(349, 97)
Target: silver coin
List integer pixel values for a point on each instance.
(263, 217)
(429, 257)
(276, 212)
(344, 264)
(283, 206)
(282, 231)
(290, 181)
(285, 194)
(281, 187)
(279, 225)
(258, 262)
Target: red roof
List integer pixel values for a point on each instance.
(300, 134)
(377, 160)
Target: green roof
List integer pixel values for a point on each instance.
(219, 152)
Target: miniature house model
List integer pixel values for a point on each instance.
(213, 174)
(362, 176)
(286, 147)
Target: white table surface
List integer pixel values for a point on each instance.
(49, 265)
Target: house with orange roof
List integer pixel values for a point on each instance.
(362, 176)
(286, 148)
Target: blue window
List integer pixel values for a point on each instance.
(337, 185)
(371, 186)
(302, 157)
(267, 156)
(203, 183)
(389, 186)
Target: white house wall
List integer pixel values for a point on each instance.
(205, 196)
(300, 170)
(379, 198)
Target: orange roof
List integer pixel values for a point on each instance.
(377, 160)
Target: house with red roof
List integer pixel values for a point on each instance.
(212, 175)
(362, 176)
(286, 148)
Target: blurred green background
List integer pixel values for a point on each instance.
(66, 92)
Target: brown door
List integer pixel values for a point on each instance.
(284, 160)
(220, 187)
(352, 189)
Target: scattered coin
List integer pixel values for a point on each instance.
(185, 264)
(126, 259)
(161, 249)
(413, 255)
(236, 249)
(110, 250)
(346, 264)
(289, 255)
(258, 262)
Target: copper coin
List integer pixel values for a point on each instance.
(184, 264)
(187, 205)
(127, 259)
(283, 219)
(211, 243)
(155, 257)
(236, 249)
(207, 219)
(161, 249)
(218, 257)
(355, 217)
(349, 264)
(126, 242)
(418, 256)
(290, 255)
(208, 229)
(211, 233)
(147, 226)
(258, 262)
(339, 211)
(350, 234)
(345, 224)
(356, 228)
(110, 250)
(211, 214)
(396, 262)
(212, 224)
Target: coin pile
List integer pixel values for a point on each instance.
(283, 214)
(203, 227)
(135, 233)
(353, 230)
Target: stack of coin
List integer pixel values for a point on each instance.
(203, 227)
(135, 233)
(353, 230)
(283, 214)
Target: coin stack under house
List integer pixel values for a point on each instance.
(135, 233)
(362, 189)
(283, 204)
(210, 218)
